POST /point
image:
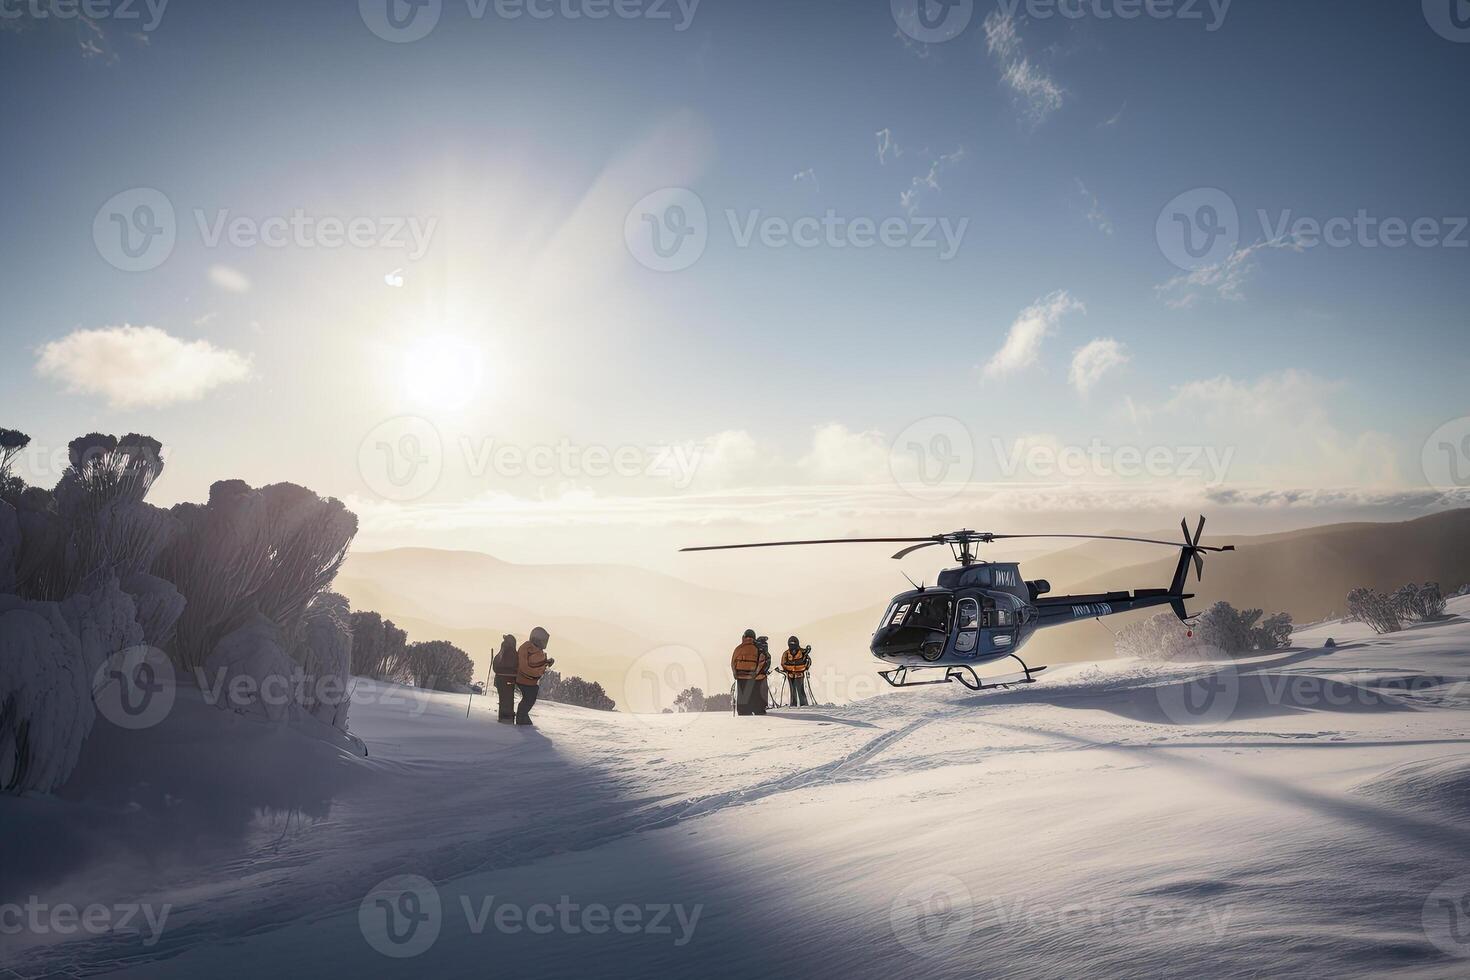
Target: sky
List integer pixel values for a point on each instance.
(596, 279)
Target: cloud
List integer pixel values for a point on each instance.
(807, 176)
(841, 456)
(139, 366)
(1093, 360)
(1034, 92)
(887, 147)
(909, 199)
(1112, 121)
(1095, 215)
(1282, 426)
(1023, 341)
(1224, 279)
(229, 279)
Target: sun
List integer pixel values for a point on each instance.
(439, 372)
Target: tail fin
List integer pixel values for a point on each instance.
(1189, 551)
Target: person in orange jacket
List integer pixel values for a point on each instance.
(795, 662)
(749, 668)
(533, 663)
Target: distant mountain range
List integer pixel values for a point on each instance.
(603, 618)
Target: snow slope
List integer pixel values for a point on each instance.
(1300, 814)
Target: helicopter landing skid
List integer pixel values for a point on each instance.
(965, 674)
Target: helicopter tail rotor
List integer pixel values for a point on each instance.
(1190, 552)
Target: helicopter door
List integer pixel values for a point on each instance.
(967, 626)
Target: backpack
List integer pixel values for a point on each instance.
(507, 660)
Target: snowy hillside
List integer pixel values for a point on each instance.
(1298, 814)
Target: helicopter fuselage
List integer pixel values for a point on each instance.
(986, 611)
(975, 614)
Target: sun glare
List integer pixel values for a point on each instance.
(442, 373)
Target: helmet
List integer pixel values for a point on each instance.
(540, 637)
(748, 635)
(792, 643)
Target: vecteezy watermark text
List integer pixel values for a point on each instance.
(675, 463)
(40, 918)
(1098, 459)
(403, 915)
(669, 229)
(92, 10)
(1211, 12)
(405, 21)
(136, 230)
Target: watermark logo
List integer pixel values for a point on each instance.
(135, 688)
(667, 231)
(933, 916)
(1446, 916)
(135, 230)
(1207, 698)
(932, 21)
(401, 459)
(1198, 229)
(934, 458)
(401, 916)
(400, 21)
(656, 679)
(1446, 455)
(1449, 18)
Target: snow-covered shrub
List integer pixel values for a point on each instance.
(1227, 628)
(250, 671)
(1219, 629)
(1374, 608)
(324, 651)
(582, 693)
(50, 653)
(12, 443)
(689, 699)
(250, 552)
(439, 665)
(378, 647)
(1160, 637)
(9, 547)
(1419, 602)
(159, 606)
(1273, 633)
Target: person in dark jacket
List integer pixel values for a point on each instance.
(506, 665)
(762, 681)
(795, 663)
(532, 663)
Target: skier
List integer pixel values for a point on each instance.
(763, 687)
(746, 664)
(795, 663)
(506, 665)
(532, 662)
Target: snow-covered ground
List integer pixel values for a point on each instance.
(1299, 814)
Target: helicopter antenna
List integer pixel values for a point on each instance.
(911, 581)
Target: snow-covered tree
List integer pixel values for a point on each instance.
(1374, 608)
(439, 665)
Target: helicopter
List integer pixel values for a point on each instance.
(983, 612)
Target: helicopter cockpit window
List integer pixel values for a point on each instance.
(896, 615)
(930, 613)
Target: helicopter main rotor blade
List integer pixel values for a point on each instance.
(916, 547)
(784, 544)
(1111, 537)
